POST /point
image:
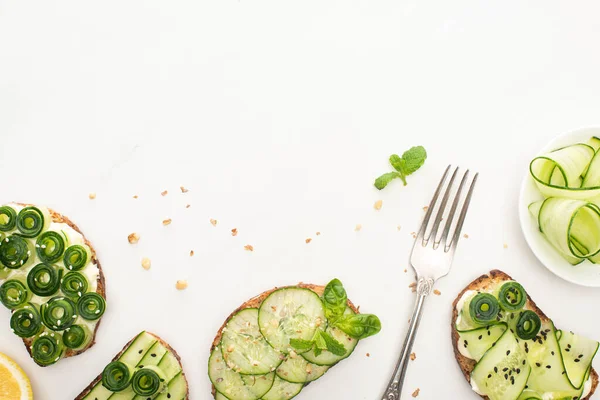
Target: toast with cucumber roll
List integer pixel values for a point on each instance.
(508, 349)
(51, 280)
(278, 342)
(146, 368)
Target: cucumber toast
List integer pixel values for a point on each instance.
(146, 369)
(281, 340)
(508, 349)
(51, 281)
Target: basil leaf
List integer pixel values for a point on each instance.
(359, 326)
(301, 344)
(333, 346)
(335, 300)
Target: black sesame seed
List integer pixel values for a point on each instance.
(524, 361)
(579, 356)
(538, 364)
(140, 352)
(153, 355)
(507, 352)
(504, 369)
(552, 352)
(480, 336)
(505, 376)
(577, 360)
(489, 376)
(496, 369)
(168, 395)
(548, 366)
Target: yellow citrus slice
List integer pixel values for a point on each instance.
(14, 384)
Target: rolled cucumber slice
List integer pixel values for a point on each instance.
(245, 349)
(290, 313)
(233, 385)
(571, 226)
(502, 372)
(474, 343)
(297, 370)
(327, 358)
(283, 390)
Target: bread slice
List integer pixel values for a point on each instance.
(115, 358)
(255, 302)
(482, 283)
(100, 283)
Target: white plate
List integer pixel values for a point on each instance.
(586, 273)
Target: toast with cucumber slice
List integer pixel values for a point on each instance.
(278, 342)
(146, 368)
(508, 349)
(51, 280)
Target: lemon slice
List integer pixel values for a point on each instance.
(14, 384)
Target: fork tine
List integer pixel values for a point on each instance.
(444, 236)
(441, 210)
(431, 205)
(463, 213)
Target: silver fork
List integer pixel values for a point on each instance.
(431, 258)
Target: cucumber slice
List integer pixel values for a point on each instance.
(578, 353)
(547, 368)
(529, 395)
(170, 366)
(283, 390)
(290, 313)
(477, 341)
(233, 385)
(558, 173)
(571, 226)
(297, 370)
(594, 142)
(502, 372)
(176, 390)
(138, 348)
(219, 396)
(327, 358)
(244, 349)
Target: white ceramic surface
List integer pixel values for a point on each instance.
(277, 116)
(586, 273)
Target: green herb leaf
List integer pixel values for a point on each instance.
(413, 159)
(320, 341)
(384, 179)
(397, 162)
(333, 346)
(318, 352)
(301, 344)
(359, 326)
(335, 300)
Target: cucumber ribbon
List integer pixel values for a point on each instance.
(569, 216)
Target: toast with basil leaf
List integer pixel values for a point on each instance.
(508, 349)
(278, 342)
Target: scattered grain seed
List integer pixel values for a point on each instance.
(368, 354)
(92, 196)
(318, 233)
(183, 190)
(425, 208)
(167, 222)
(146, 263)
(188, 206)
(416, 393)
(234, 232)
(358, 227)
(133, 238)
(213, 222)
(164, 192)
(181, 285)
(405, 270)
(414, 235)
(398, 227)
(378, 204)
(249, 247)
(466, 236)
(413, 287)
(308, 240)
(135, 196)
(191, 253)
(413, 356)
(437, 292)
(505, 246)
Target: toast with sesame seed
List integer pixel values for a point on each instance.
(56, 217)
(256, 318)
(482, 284)
(150, 341)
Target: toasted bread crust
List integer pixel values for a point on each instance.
(482, 283)
(115, 358)
(255, 302)
(100, 283)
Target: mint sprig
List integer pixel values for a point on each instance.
(411, 161)
(320, 342)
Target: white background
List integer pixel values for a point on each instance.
(277, 116)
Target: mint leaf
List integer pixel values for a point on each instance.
(320, 341)
(384, 179)
(318, 352)
(301, 344)
(359, 326)
(397, 162)
(335, 300)
(333, 346)
(413, 159)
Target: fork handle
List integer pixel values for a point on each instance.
(394, 388)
